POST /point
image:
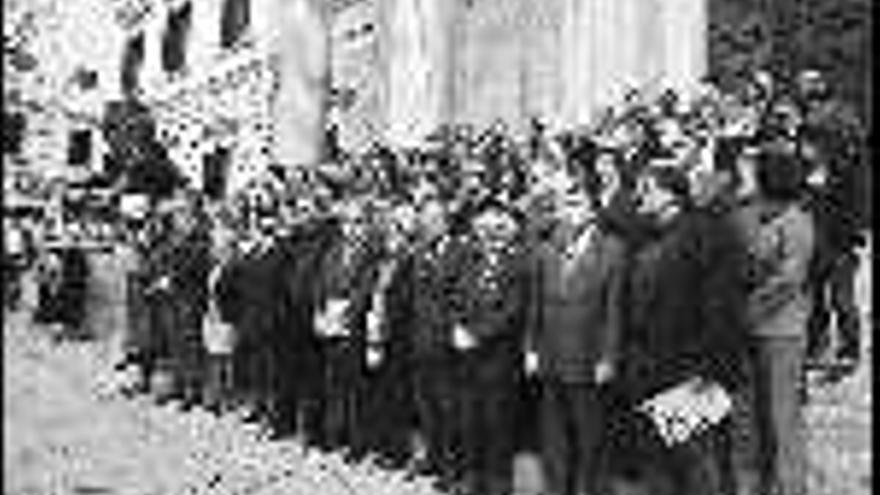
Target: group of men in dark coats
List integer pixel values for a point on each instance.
(403, 325)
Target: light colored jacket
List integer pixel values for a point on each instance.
(781, 243)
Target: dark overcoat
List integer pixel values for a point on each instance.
(687, 306)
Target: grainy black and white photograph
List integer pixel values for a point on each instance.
(437, 247)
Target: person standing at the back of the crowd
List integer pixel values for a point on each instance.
(72, 291)
(151, 246)
(187, 276)
(136, 334)
(834, 145)
(781, 243)
(16, 259)
(218, 330)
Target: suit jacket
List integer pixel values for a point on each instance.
(300, 266)
(576, 307)
(252, 295)
(492, 295)
(349, 275)
(432, 283)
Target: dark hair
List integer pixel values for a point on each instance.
(673, 180)
(779, 174)
(727, 153)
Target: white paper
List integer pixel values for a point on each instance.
(687, 409)
(331, 321)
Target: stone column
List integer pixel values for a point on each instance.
(203, 43)
(415, 67)
(651, 40)
(301, 47)
(685, 27)
(152, 74)
(610, 46)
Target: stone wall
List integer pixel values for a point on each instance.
(230, 106)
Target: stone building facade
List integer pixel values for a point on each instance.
(216, 102)
(72, 48)
(240, 85)
(483, 61)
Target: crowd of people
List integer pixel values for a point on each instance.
(438, 309)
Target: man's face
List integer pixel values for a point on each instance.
(706, 184)
(184, 221)
(432, 219)
(495, 228)
(811, 85)
(651, 198)
(573, 205)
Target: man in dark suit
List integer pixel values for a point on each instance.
(342, 294)
(574, 329)
(433, 266)
(255, 283)
(491, 296)
(388, 415)
(296, 346)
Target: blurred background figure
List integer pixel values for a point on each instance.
(833, 147)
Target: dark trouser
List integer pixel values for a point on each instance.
(218, 383)
(833, 288)
(72, 299)
(434, 383)
(188, 358)
(738, 440)
(777, 406)
(12, 284)
(571, 436)
(389, 411)
(633, 452)
(255, 361)
(294, 386)
(488, 389)
(341, 400)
